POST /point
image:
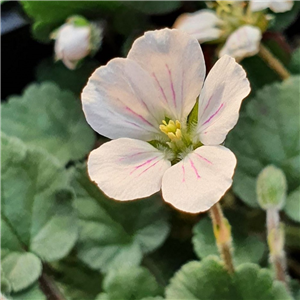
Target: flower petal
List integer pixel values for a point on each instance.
(202, 25)
(281, 6)
(127, 169)
(199, 181)
(242, 43)
(120, 100)
(225, 87)
(257, 5)
(278, 6)
(175, 62)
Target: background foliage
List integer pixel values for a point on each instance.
(63, 239)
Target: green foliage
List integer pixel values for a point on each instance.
(154, 7)
(208, 279)
(48, 15)
(133, 283)
(283, 20)
(37, 216)
(294, 65)
(49, 118)
(76, 281)
(268, 134)
(15, 266)
(292, 207)
(73, 80)
(247, 248)
(32, 293)
(113, 233)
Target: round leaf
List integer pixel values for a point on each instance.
(208, 279)
(21, 269)
(49, 118)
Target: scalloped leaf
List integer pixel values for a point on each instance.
(115, 233)
(37, 214)
(47, 117)
(208, 280)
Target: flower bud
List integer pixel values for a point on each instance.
(271, 188)
(75, 40)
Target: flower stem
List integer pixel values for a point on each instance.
(273, 62)
(222, 232)
(49, 288)
(276, 245)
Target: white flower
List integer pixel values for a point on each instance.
(203, 25)
(243, 42)
(143, 102)
(75, 40)
(278, 6)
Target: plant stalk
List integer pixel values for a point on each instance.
(49, 288)
(273, 62)
(276, 245)
(222, 232)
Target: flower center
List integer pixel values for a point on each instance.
(172, 130)
(238, 13)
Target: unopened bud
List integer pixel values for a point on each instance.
(271, 188)
(75, 40)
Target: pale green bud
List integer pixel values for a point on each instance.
(271, 188)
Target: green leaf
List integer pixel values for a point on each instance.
(294, 65)
(32, 293)
(73, 80)
(5, 284)
(154, 7)
(247, 248)
(48, 15)
(283, 20)
(37, 214)
(292, 207)
(208, 280)
(21, 269)
(255, 65)
(268, 134)
(115, 233)
(49, 118)
(129, 284)
(75, 280)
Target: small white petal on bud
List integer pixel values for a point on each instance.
(75, 40)
(242, 43)
(271, 188)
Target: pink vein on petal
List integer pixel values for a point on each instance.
(206, 106)
(139, 116)
(213, 115)
(161, 89)
(132, 155)
(172, 86)
(149, 168)
(183, 172)
(195, 170)
(143, 164)
(203, 158)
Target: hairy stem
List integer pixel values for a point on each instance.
(276, 245)
(222, 232)
(273, 62)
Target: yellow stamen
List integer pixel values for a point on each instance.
(172, 136)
